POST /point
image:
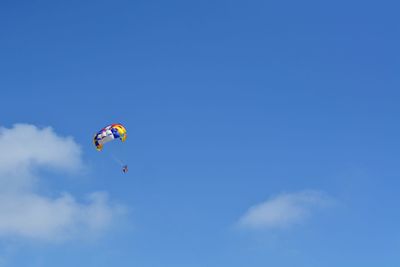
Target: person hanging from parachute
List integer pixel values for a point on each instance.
(110, 133)
(125, 169)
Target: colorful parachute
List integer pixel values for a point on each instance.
(109, 133)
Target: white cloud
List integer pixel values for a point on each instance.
(37, 217)
(25, 148)
(283, 210)
(23, 213)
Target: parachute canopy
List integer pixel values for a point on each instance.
(109, 133)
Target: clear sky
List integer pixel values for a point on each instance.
(260, 133)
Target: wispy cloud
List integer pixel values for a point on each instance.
(25, 213)
(284, 210)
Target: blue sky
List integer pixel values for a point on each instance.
(260, 133)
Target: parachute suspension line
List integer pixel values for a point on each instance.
(113, 157)
(123, 165)
(116, 159)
